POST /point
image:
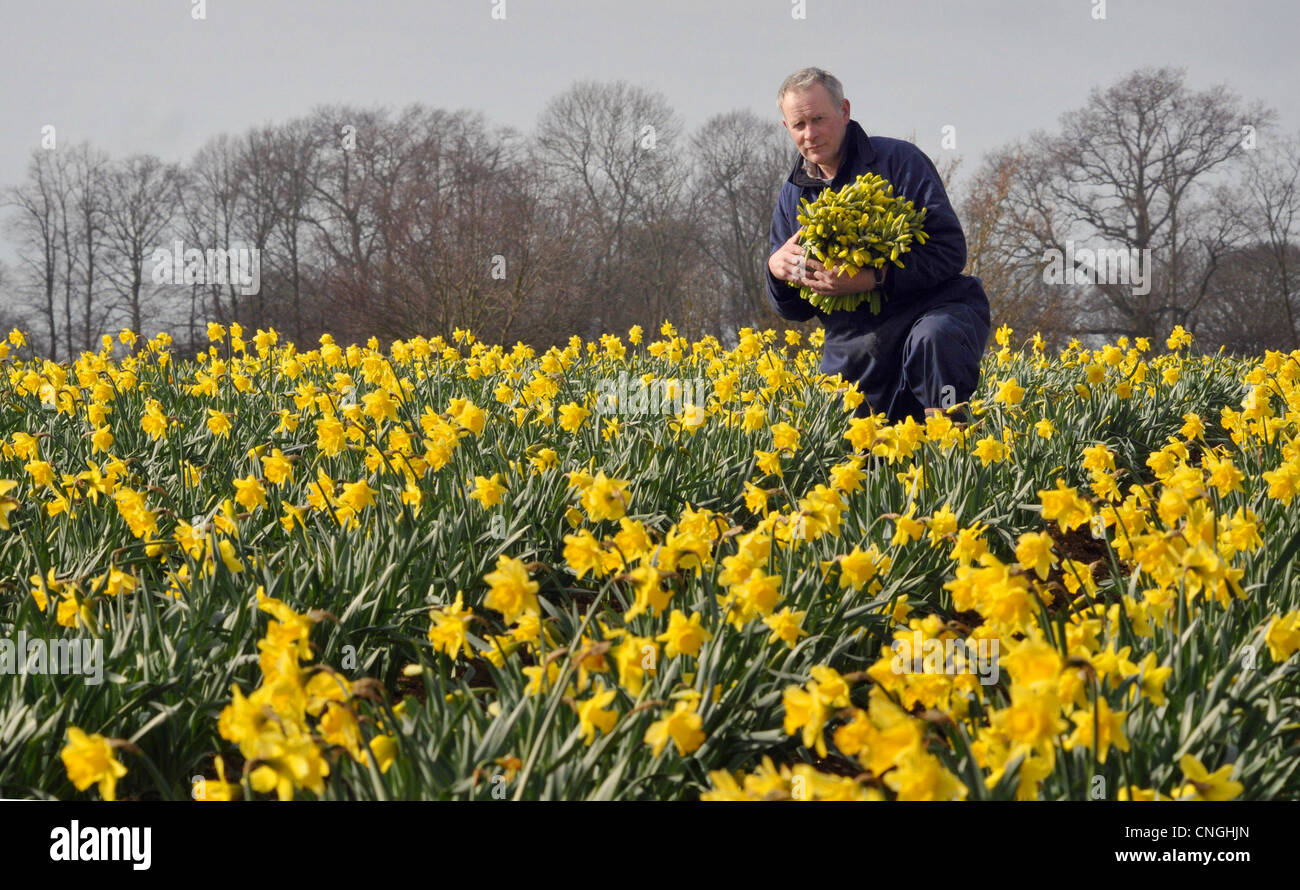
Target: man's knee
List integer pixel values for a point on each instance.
(948, 322)
(942, 356)
(928, 333)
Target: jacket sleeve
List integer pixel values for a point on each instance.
(944, 253)
(783, 298)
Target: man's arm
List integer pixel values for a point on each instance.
(783, 298)
(944, 253)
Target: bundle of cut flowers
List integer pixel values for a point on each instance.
(862, 224)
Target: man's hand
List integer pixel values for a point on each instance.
(820, 281)
(787, 264)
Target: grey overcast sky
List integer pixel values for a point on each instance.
(145, 76)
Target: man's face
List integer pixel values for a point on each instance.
(815, 124)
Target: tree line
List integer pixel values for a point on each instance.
(372, 222)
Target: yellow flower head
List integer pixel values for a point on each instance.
(449, 628)
(90, 759)
(682, 727)
(511, 592)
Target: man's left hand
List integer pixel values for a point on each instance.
(820, 281)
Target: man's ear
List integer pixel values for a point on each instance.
(844, 109)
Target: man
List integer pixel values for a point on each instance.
(921, 354)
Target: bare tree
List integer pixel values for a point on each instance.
(66, 197)
(1213, 232)
(741, 161)
(141, 201)
(79, 174)
(344, 231)
(503, 245)
(89, 170)
(297, 157)
(209, 208)
(258, 207)
(37, 229)
(1127, 169)
(609, 149)
(1272, 189)
(9, 316)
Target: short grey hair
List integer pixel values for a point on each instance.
(807, 77)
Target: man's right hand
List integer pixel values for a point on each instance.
(787, 264)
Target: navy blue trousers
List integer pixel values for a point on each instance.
(936, 365)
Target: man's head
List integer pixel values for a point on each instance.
(815, 114)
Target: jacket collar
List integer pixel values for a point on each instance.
(857, 145)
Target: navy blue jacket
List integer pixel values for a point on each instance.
(860, 345)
